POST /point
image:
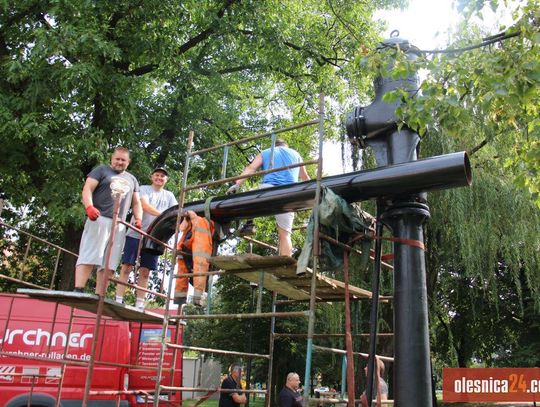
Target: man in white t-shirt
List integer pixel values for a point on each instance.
(154, 199)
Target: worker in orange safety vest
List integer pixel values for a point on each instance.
(195, 245)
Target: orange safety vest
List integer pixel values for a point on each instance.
(197, 240)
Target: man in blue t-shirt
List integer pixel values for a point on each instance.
(283, 156)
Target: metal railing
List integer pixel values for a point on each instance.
(168, 318)
(22, 266)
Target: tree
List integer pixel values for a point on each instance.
(483, 242)
(485, 97)
(482, 258)
(83, 77)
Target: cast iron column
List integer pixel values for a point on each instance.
(412, 369)
(375, 126)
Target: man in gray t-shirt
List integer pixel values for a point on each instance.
(98, 203)
(154, 199)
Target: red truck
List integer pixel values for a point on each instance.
(31, 329)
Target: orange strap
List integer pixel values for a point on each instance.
(408, 242)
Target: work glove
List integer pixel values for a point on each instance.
(92, 212)
(137, 223)
(233, 189)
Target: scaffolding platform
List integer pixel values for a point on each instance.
(280, 276)
(89, 302)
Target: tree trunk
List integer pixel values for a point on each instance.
(72, 239)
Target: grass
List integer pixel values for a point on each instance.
(257, 402)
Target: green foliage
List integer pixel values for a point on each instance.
(487, 96)
(483, 263)
(482, 257)
(81, 78)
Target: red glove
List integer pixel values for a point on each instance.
(138, 223)
(92, 212)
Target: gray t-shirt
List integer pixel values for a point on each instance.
(384, 388)
(102, 197)
(160, 200)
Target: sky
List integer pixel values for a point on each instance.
(426, 24)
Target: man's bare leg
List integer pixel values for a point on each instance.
(82, 274)
(144, 273)
(285, 242)
(124, 275)
(102, 281)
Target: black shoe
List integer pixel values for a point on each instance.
(78, 290)
(247, 229)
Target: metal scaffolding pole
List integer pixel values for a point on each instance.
(166, 316)
(312, 298)
(101, 291)
(271, 352)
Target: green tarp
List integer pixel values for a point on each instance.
(341, 221)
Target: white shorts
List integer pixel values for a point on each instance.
(283, 220)
(94, 242)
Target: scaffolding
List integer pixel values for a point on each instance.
(273, 273)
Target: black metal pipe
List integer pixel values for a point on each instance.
(412, 370)
(440, 172)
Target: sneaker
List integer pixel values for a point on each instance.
(247, 229)
(199, 301)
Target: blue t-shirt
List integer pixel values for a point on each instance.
(282, 156)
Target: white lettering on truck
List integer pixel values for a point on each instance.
(43, 337)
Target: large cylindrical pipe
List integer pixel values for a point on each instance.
(440, 172)
(412, 369)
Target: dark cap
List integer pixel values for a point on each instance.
(163, 170)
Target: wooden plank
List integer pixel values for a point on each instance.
(280, 276)
(271, 282)
(232, 262)
(270, 261)
(289, 275)
(89, 302)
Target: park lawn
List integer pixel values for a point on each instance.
(257, 402)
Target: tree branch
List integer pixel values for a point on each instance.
(321, 59)
(142, 70)
(231, 138)
(203, 35)
(343, 22)
(475, 149)
(239, 68)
